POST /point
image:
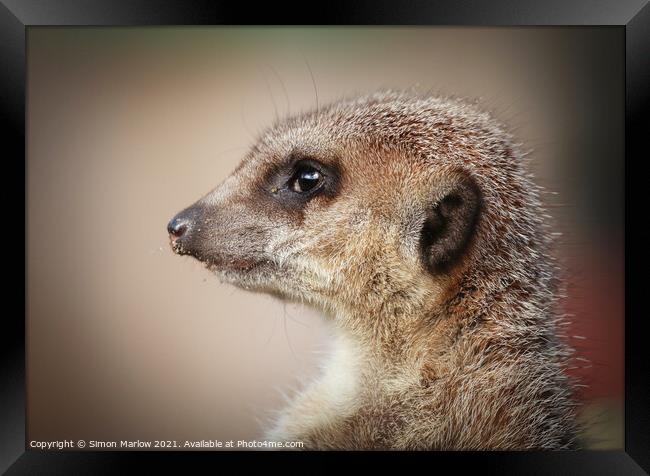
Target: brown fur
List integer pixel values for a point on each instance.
(465, 358)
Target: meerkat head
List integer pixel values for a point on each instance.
(375, 203)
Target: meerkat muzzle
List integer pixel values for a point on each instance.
(181, 228)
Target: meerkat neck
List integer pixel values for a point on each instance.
(387, 350)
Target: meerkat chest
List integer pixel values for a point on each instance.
(340, 412)
(365, 422)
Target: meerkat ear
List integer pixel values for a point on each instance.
(449, 226)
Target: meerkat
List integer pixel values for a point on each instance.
(412, 223)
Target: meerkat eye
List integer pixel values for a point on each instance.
(305, 179)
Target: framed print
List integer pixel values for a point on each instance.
(394, 229)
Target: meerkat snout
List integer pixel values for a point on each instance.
(413, 224)
(180, 229)
(188, 231)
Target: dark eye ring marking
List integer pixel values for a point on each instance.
(300, 179)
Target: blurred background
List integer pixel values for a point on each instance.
(127, 126)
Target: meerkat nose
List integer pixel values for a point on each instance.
(177, 226)
(182, 230)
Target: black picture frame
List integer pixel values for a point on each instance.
(631, 15)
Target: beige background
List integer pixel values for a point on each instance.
(128, 126)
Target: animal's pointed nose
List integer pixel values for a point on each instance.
(183, 226)
(177, 226)
(185, 236)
